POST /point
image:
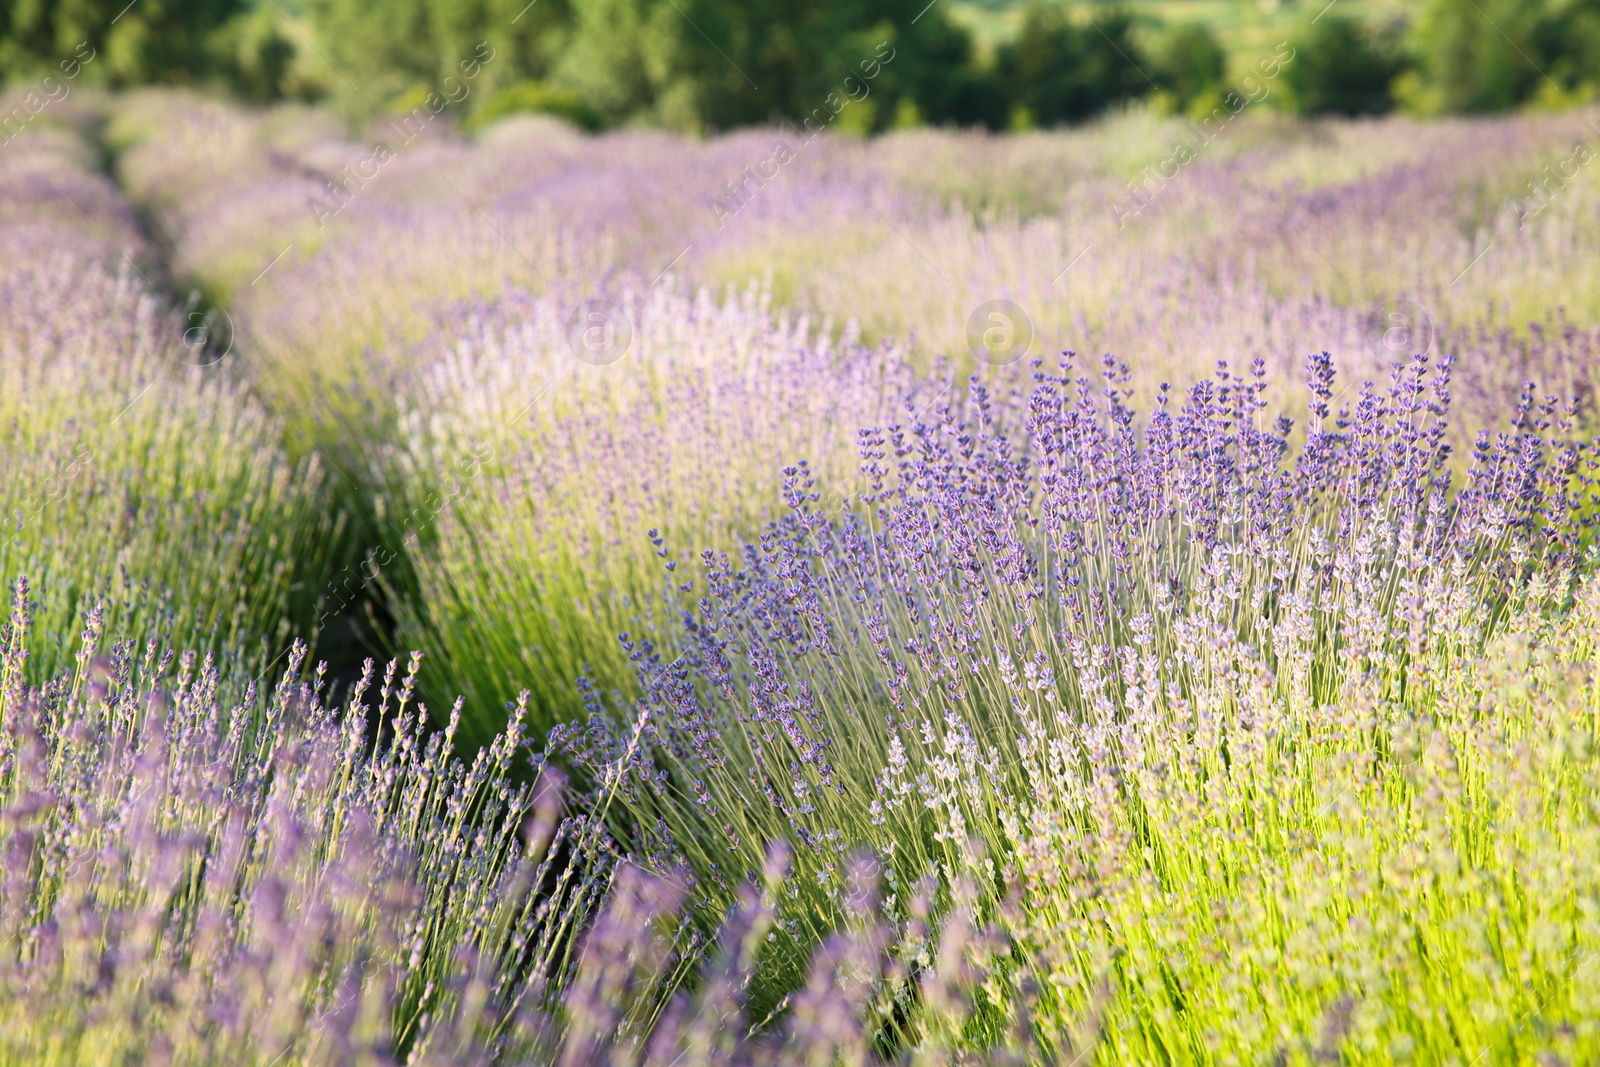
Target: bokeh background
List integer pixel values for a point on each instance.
(702, 65)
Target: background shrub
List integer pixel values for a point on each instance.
(1189, 64)
(1060, 69)
(1473, 56)
(1343, 66)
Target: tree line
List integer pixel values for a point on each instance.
(701, 65)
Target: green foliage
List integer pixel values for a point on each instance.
(1568, 40)
(973, 97)
(801, 54)
(379, 51)
(1491, 55)
(716, 64)
(626, 59)
(536, 97)
(248, 49)
(1473, 56)
(1343, 66)
(1060, 70)
(1189, 64)
(160, 41)
(256, 56)
(697, 65)
(937, 77)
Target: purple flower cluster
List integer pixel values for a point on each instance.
(858, 998)
(533, 567)
(195, 872)
(1035, 544)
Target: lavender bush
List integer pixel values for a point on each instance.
(1273, 230)
(138, 469)
(555, 483)
(1052, 626)
(196, 872)
(1207, 864)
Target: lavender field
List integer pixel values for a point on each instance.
(1111, 595)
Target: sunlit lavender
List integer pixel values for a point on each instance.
(140, 473)
(538, 597)
(555, 484)
(1047, 613)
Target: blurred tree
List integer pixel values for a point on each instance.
(945, 78)
(535, 97)
(627, 61)
(974, 97)
(1188, 63)
(686, 64)
(773, 60)
(160, 41)
(1472, 56)
(380, 49)
(841, 64)
(1343, 66)
(1059, 70)
(255, 54)
(1567, 38)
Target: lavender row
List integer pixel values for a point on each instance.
(140, 473)
(1040, 592)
